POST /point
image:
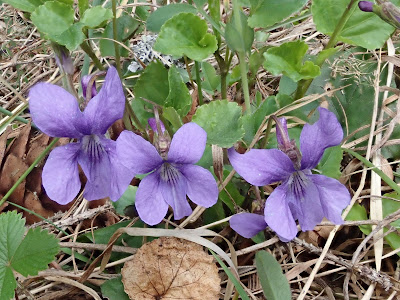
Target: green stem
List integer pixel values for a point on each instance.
(198, 81)
(303, 85)
(26, 173)
(20, 119)
(242, 58)
(115, 37)
(370, 165)
(89, 51)
(245, 83)
(223, 70)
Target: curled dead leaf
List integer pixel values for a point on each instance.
(171, 268)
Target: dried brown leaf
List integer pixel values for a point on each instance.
(36, 148)
(12, 170)
(18, 148)
(3, 142)
(171, 268)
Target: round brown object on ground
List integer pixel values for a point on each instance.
(171, 268)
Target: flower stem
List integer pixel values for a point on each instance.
(198, 81)
(89, 51)
(26, 173)
(242, 58)
(303, 85)
(370, 165)
(115, 37)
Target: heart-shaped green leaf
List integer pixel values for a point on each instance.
(186, 34)
(265, 13)
(363, 29)
(222, 121)
(94, 16)
(288, 58)
(164, 13)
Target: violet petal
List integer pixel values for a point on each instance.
(55, 111)
(314, 139)
(95, 163)
(120, 175)
(282, 140)
(303, 199)
(278, 215)
(366, 6)
(188, 144)
(149, 202)
(136, 153)
(201, 186)
(334, 197)
(261, 167)
(247, 224)
(173, 188)
(153, 125)
(85, 81)
(107, 106)
(61, 175)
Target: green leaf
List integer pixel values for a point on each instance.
(94, 16)
(274, 283)
(358, 213)
(173, 117)
(211, 79)
(164, 13)
(231, 194)
(126, 26)
(72, 37)
(186, 34)
(239, 39)
(214, 213)
(83, 5)
(20, 254)
(53, 18)
(265, 13)
(153, 83)
(363, 29)
(35, 252)
(390, 206)
(113, 289)
(178, 96)
(25, 5)
(222, 122)
(329, 165)
(127, 198)
(287, 59)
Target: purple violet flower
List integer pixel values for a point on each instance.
(302, 195)
(365, 6)
(173, 173)
(56, 112)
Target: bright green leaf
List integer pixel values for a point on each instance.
(126, 26)
(11, 233)
(53, 18)
(7, 282)
(94, 16)
(390, 206)
(153, 83)
(186, 34)
(363, 29)
(164, 13)
(113, 289)
(288, 58)
(211, 79)
(25, 5)
(173, 117)
(72, 37)
(83, 5)
(35, 252)
(178, 96)
(222, 122)
(358, 213)
(127, 198)
(239, 39)
(265, 13)
(274, 283)
(230, 195)
(329, 165)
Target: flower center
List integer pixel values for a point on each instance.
(92, 147)
(169, 173)
(297, 183)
